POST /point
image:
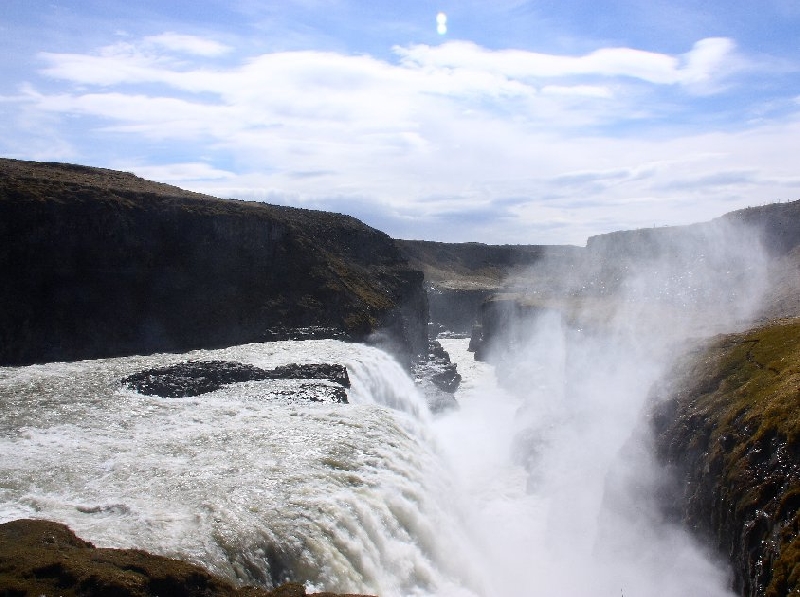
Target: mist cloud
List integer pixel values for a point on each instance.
(579, 363)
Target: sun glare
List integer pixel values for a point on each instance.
(441, 23)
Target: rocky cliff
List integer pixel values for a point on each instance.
(97, 263)
(462, 276)
(726, 265)
(777, 225)
(727, 425)
(773, 231)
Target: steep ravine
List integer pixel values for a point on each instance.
(99, 263)
(727, 426)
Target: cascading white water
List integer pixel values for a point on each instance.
(504, 495)
(250, 484)
(541, 485)
(558, 458)
(562, 488)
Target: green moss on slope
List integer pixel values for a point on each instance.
(729, 422)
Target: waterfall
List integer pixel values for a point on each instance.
(251, 484)
(537, 484)
(562, 485)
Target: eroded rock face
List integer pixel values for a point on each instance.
(39, 557)
(437, 377)
(505, 325)
(200, 377)
(726, 425)
(456, 310)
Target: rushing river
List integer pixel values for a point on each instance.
(509, 494)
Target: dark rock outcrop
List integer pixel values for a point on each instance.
(726, 426)
(456, 309)
(38, 557)
(334, 373)
(99, 263)
(437, 377)
(199, 377)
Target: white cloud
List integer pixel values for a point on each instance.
(105, 69)
(709, 63)
(579, 90)
(179, 172)
(448, 129)
(707, 58)
(188, 44)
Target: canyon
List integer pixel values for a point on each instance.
(99, 264)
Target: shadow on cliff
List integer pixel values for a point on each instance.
(100, 263)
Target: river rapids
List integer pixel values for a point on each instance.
(508, 494)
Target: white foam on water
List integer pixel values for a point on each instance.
(250, 484)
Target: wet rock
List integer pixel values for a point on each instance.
(313, 332)
(194, 378)
(724, 421)
(437, 377)
(334, 373)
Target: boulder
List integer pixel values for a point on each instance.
(437, 377)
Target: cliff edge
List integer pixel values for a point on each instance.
(726, 424)
(99, 263)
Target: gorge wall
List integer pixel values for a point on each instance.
(469, 280)
(724, 418)
(726, 425)
(98, 263)
(460, 277)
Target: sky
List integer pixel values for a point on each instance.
(503, 122)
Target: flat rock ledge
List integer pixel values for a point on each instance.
(194, 378)
(39, 557)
